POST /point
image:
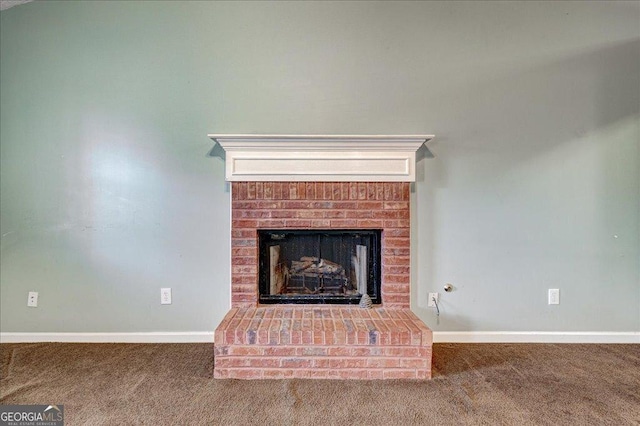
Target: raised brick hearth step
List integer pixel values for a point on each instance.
(337, 342)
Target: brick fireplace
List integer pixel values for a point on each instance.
(321, 340)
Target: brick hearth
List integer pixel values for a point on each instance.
(288, 341)
(321, 341)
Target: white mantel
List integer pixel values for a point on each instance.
(320, 158)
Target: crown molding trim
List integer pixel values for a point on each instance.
(320, 158)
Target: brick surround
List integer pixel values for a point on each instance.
(321, 341)
(320, 205)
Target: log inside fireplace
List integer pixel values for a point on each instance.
(319, 266)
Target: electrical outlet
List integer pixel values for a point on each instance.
(431, 303)
(165, 296)
(32, 299)
(554, 296)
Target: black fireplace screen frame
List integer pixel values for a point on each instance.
(335, 250)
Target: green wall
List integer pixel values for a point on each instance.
(108, 192)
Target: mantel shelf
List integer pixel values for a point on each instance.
(328, 158)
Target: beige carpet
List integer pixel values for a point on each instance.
(172, 384)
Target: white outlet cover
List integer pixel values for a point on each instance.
(32, 299)
(430, 302)
(554, 296)
(165, 296)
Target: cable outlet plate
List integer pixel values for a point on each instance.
(165, 296)
(32, 299)
(431, 303)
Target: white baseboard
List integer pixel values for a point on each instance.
(438, 337)
(535, 337)
(149, 337)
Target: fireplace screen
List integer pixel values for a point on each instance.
(319, 266)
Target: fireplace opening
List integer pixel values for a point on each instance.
(319, 266)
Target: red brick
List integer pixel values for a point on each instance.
(254, 362)
(277, 191)
(362, 191)
(413, 363)
(243, 373)
(302, 190)
(297, 223)
(396, 205)
(358, 214)
(244, 288)
(243, 251)
(388, 214)
(395, 279)
(310, 190)
(369, 205)
(243, 260)
(245, 351)
(370, 223)
(302, 373)
(395, 298)
(251, 190)
(307, 337)
(371, 190)
(375, 374)
(270, 223)
(390, 269)
(243, 233)
(244, 269)
(379, 190)
(406, 190)
(399, 374)
(278, 373)
(241, 189)
(353, 191)
(244, 297)
(310, 214)
(219, 351)
(323, 223)
(259, 190)
(344, 205)
(391, 288)
(242, 280)
(335, 214)
(244, 223)
(296, 362)
(284, 214)
(383, 362)
(397, 223)
(344, 223)
(319, 374)
(293, 190)
(353, 374)
(396, 242)
(244, 242)
(248, 214)
(400, 232)
(390, 259)
(395, 251)
(336, 191)
(328, 191)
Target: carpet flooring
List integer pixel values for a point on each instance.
(473, 384)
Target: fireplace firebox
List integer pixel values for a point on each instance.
(319, 266)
